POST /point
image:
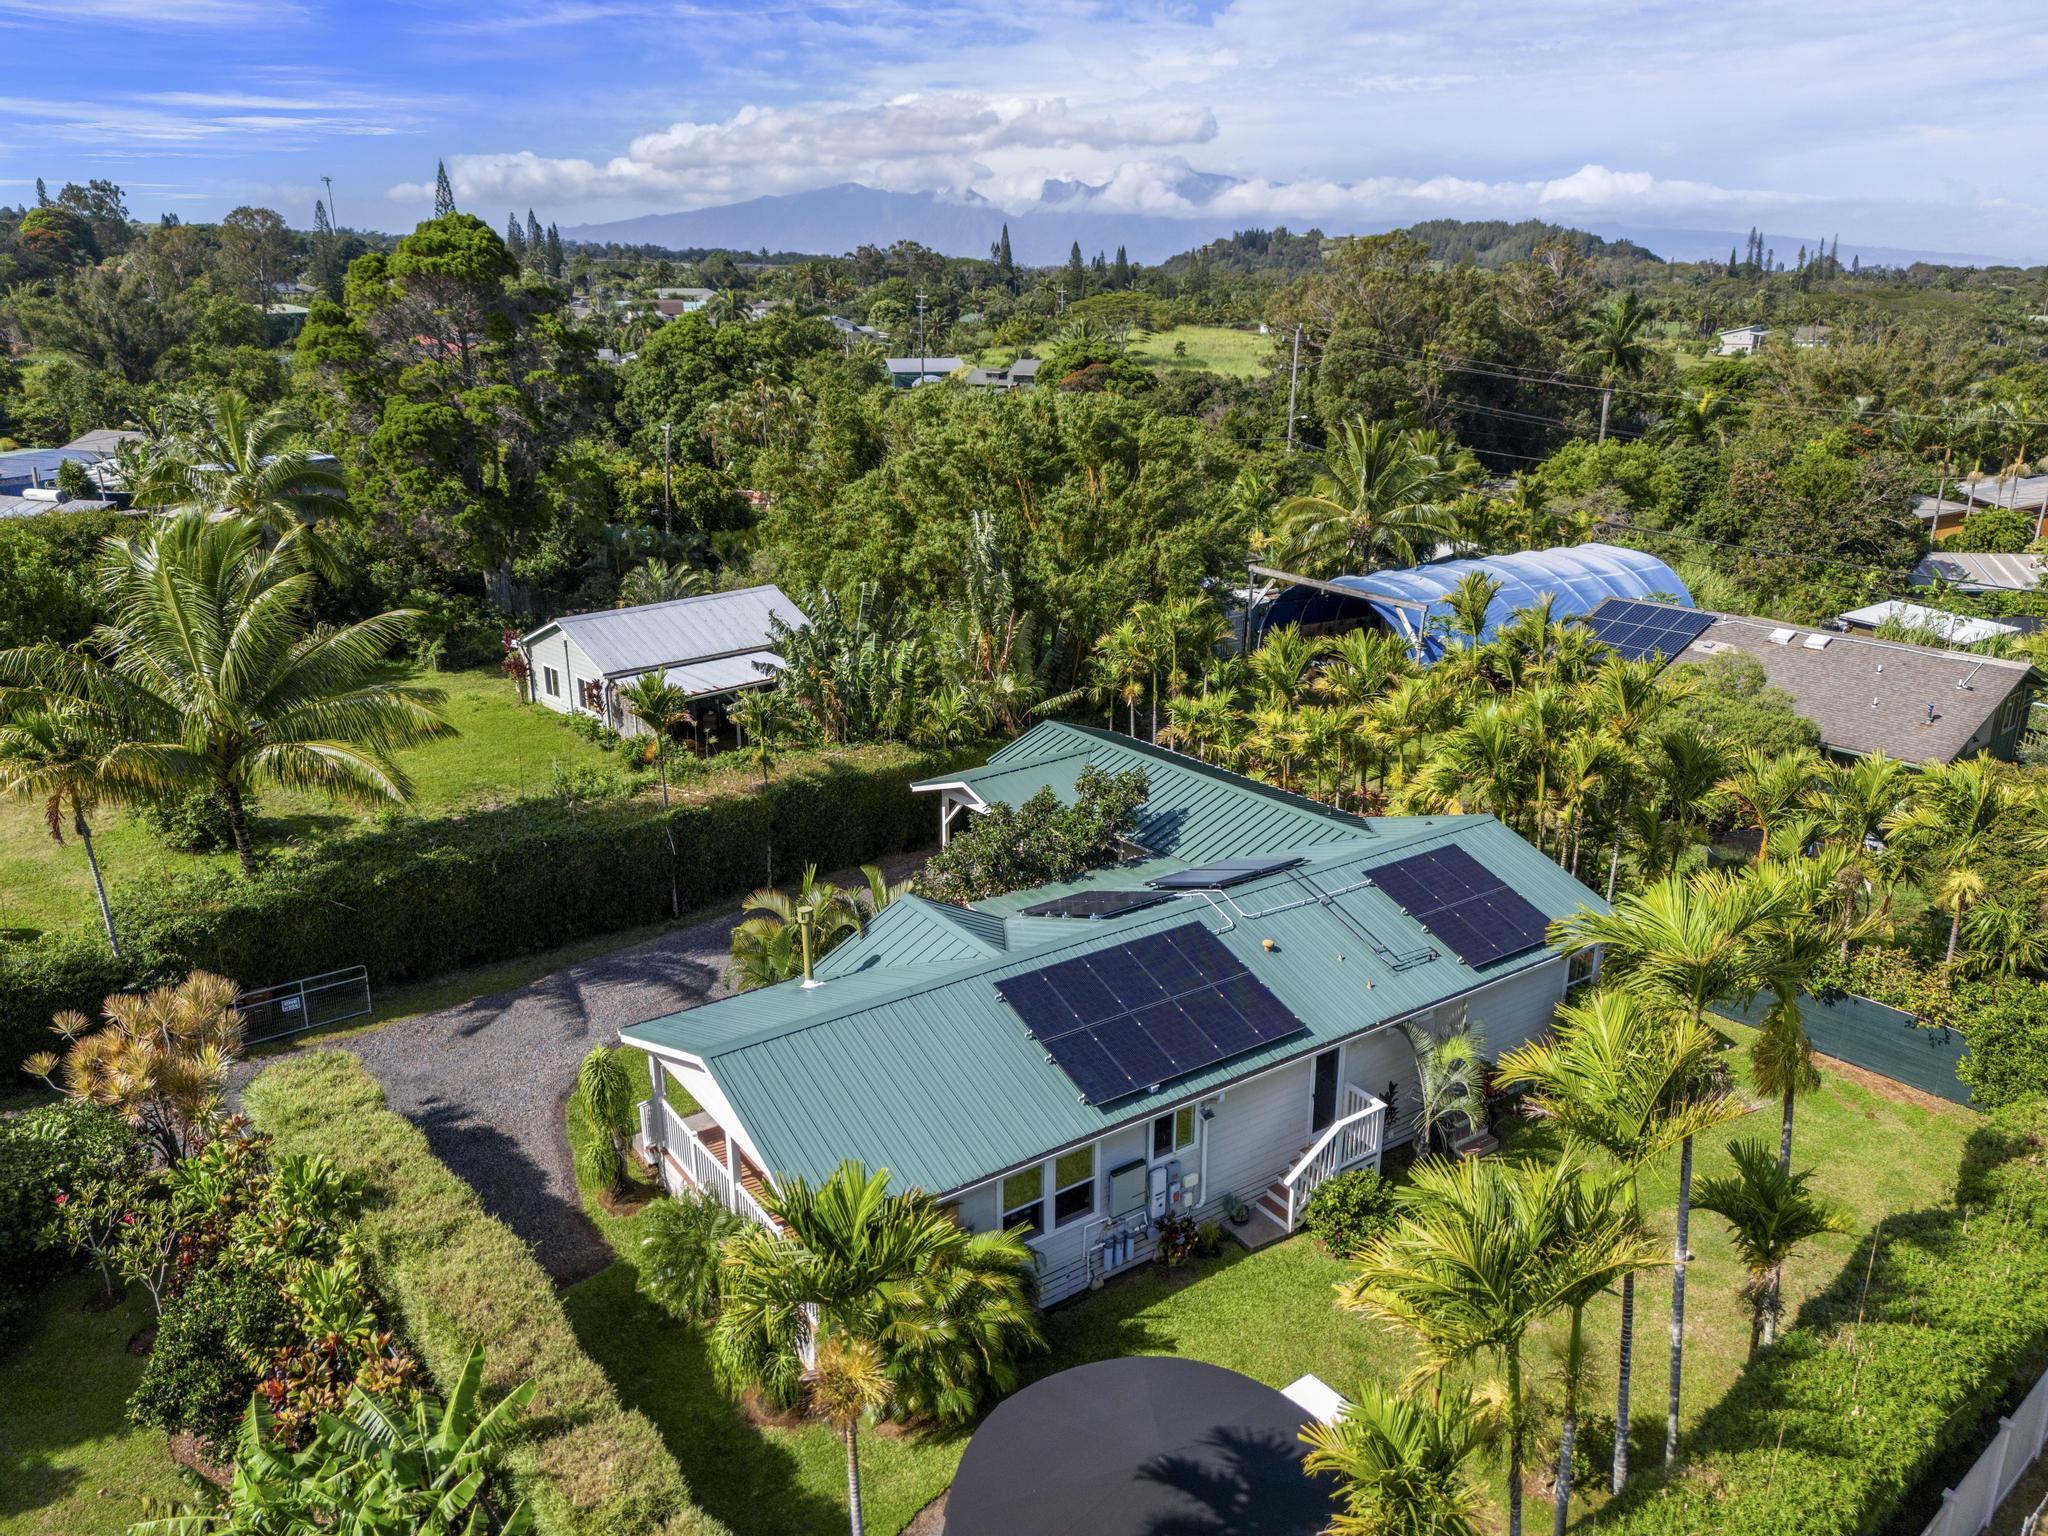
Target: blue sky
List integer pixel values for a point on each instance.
(1889, 122)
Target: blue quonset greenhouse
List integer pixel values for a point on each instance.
(1411, 603)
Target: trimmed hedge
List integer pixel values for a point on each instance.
(1827, 1432)
(417, 898)
(458, 1277)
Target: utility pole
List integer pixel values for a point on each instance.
(1293, 370)
(667, 484)
(920, 336)
(1062, 292)
(328, 183)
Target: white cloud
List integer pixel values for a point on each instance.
(919, 140)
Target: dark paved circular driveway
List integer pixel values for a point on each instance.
(487, 1080)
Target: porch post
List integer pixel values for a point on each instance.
(657, 1122)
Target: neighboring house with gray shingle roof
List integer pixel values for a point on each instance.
(707, 646)
(1917, 703)
(906, 1054)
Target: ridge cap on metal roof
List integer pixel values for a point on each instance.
(589, 614)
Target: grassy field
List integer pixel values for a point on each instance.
(1215, 348)
(70, 1462)
(1271, 1316)
(504, 751)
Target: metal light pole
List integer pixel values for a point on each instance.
(667, 484)
(1293, 370)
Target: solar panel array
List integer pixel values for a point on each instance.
(1464, 904)
(1098, 904)
(1637, 630)
(1133, 1016)
(1224, 872)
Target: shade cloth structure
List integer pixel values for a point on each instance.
(1411, 602)
(1139, 1447)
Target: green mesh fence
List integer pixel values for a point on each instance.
(1876, 1038)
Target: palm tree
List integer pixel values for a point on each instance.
(1408, 1468)
(1485, 1250)
(662, 707)
(606, 1093)
(1616, 347)
(1450, 1075)
(881, 892)
(764, 952)
(216, 676)
(848, 1384)
(852, 1262)
(1949, 827)
(820, 913)
(1387, 495)
(1688, 943)
(1699, 416)
(655, 580)
(1620, 1079)
(1769, 1212)
(51, 754)
(253, 461)
(1468, 603)
(1281, 665)
(1773, 794)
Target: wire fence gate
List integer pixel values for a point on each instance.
(292, 1007)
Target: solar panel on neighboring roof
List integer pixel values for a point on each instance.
(1215, 876)
(1097, 904)
(1462, 903)
(1637, 630)
(1132, 1016)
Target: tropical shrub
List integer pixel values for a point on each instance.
(42, 1154)
(455, 1275)
(209, 1337)
(191, 821)
(2005, 1165)
(377, 1466)
(1043, 840)
(679, 1254)
(1349, 1211)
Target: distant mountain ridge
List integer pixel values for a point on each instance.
(833, 220)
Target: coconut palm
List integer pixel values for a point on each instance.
(820, 914)
(55, 755)
(1616, 347)
(850, 1262)
(1387, 495)
(1408, 1467)
(212, 674)
(1484, 1251)
(1689, 942)
(252, 461)
(655, 580)
(1949, 826)
(1620, 1079)
(1769, 1212)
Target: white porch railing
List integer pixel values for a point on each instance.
(1350, 1139)
(701, 1166)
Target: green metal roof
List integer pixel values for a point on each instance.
(1194, 811)
(906, 1058)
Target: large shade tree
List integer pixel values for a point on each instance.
(216, 677)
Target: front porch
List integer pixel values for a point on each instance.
(691, 1150)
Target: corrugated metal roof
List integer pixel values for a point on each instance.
(1952, 628)
(912, 931)
(623, 641)
(1577, 579)
(925, 1071)
(2017, 573)
(722, 674)
(1192, 812)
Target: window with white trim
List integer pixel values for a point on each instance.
(1024, 1200)
(1073, 1186)
(1580, 969)
(1170, 1133)
(553, 681)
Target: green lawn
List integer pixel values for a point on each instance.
(503, 751)
(1270, 1315)
(70, 1462)
(1217, 348)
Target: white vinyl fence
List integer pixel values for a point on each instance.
(1968, 1507)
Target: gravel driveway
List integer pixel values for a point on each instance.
(487, 1080)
